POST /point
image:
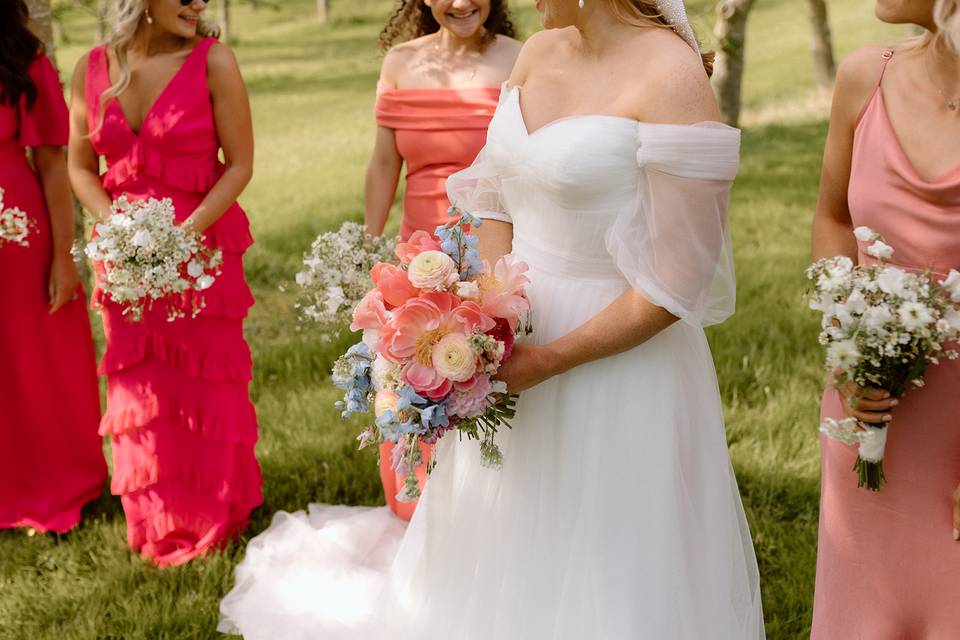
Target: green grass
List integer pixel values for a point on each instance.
(312, 94)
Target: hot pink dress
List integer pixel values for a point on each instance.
(178, 409)
(887, 566)
(438, 132)
(51, 458)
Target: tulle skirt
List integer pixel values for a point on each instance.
(616, 515)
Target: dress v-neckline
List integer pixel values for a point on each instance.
(938, 181)
(163, 92)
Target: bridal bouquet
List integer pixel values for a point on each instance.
(15, 225)
(435, 331)
(882, 326)
(337, 274)
(147, 257)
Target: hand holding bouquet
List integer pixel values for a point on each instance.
(15, 225)
(882, 326)
(147, 257)
(435, 331)
(337, 276)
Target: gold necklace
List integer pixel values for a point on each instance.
(951, 101)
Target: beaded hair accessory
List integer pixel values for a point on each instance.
(675, 13)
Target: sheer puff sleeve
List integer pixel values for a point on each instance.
(674, 245)
(46, 123)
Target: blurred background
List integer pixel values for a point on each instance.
(311, 67)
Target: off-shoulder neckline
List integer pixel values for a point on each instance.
(514, 90)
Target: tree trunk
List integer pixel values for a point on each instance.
(323, 10)
(225, 20)
(731, 34)
(101, 20)
(821, 46)
(41, 20)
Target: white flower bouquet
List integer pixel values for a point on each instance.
(882, 326)
(15, 225)
(337, 275)
(147, 257)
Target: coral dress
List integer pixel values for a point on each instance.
(887, 567)
(178, 409)
(438, 132)
(51, 458)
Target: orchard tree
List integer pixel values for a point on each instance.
(821, 45)
(731, 34)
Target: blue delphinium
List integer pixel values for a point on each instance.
(459, 245)
(351, 373)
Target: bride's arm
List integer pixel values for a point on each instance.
(631, 319)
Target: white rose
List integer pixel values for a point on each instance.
(432, 271)
(880, 250)
(454, 358)
(864, 234)
(952, 284)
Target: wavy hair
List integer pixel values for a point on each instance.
(124, 18)
(643, 12)
(946, 15)
(413, 18)
(18, 49)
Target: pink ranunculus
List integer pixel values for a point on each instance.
(370, 313)
(393, 284)
(418, 242)
(469, 399)
(454, 358)
(426, 381)
(503, 292)
(428, 312)
(432, 271)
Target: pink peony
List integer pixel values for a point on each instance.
(502, 291)
(393, 284)
(426, 381)
(370, 313)
(469, 399)
(421, 322)
(418, 242)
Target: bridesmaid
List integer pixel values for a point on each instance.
(51, 461)
(158, 103)
(436, 97)
(889, 563)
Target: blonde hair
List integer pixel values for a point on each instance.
(946, 15)
(123, 19)
(643, 13)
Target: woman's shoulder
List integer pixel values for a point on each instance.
(537, 50)
(857, 78)
(399, 57)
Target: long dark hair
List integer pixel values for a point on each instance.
(413, 19)
(18, 49)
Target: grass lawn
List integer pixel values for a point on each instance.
(312, 92)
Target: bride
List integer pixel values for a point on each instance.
(616, 514)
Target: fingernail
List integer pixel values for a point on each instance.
(956, 533)
(894, 403)
(887, 418)
(886, 394)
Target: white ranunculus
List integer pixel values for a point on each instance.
(454, 358)
(864, 234)
(880, 250)
(432, 271)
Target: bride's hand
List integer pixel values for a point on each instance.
(528, 366)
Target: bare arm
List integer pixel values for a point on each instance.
(383, 176)
(83, 164)
(231, 113)
(832, 228)
(52, 168)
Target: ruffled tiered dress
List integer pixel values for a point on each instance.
(438, 132)
(178, 409)
(51, 458)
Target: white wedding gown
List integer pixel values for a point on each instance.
(616, 514)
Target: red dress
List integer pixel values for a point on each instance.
(438, 131)
(51, 458)
(178, 407)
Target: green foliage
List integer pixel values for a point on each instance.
(312, 89)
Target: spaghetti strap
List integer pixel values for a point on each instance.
(886, 56)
